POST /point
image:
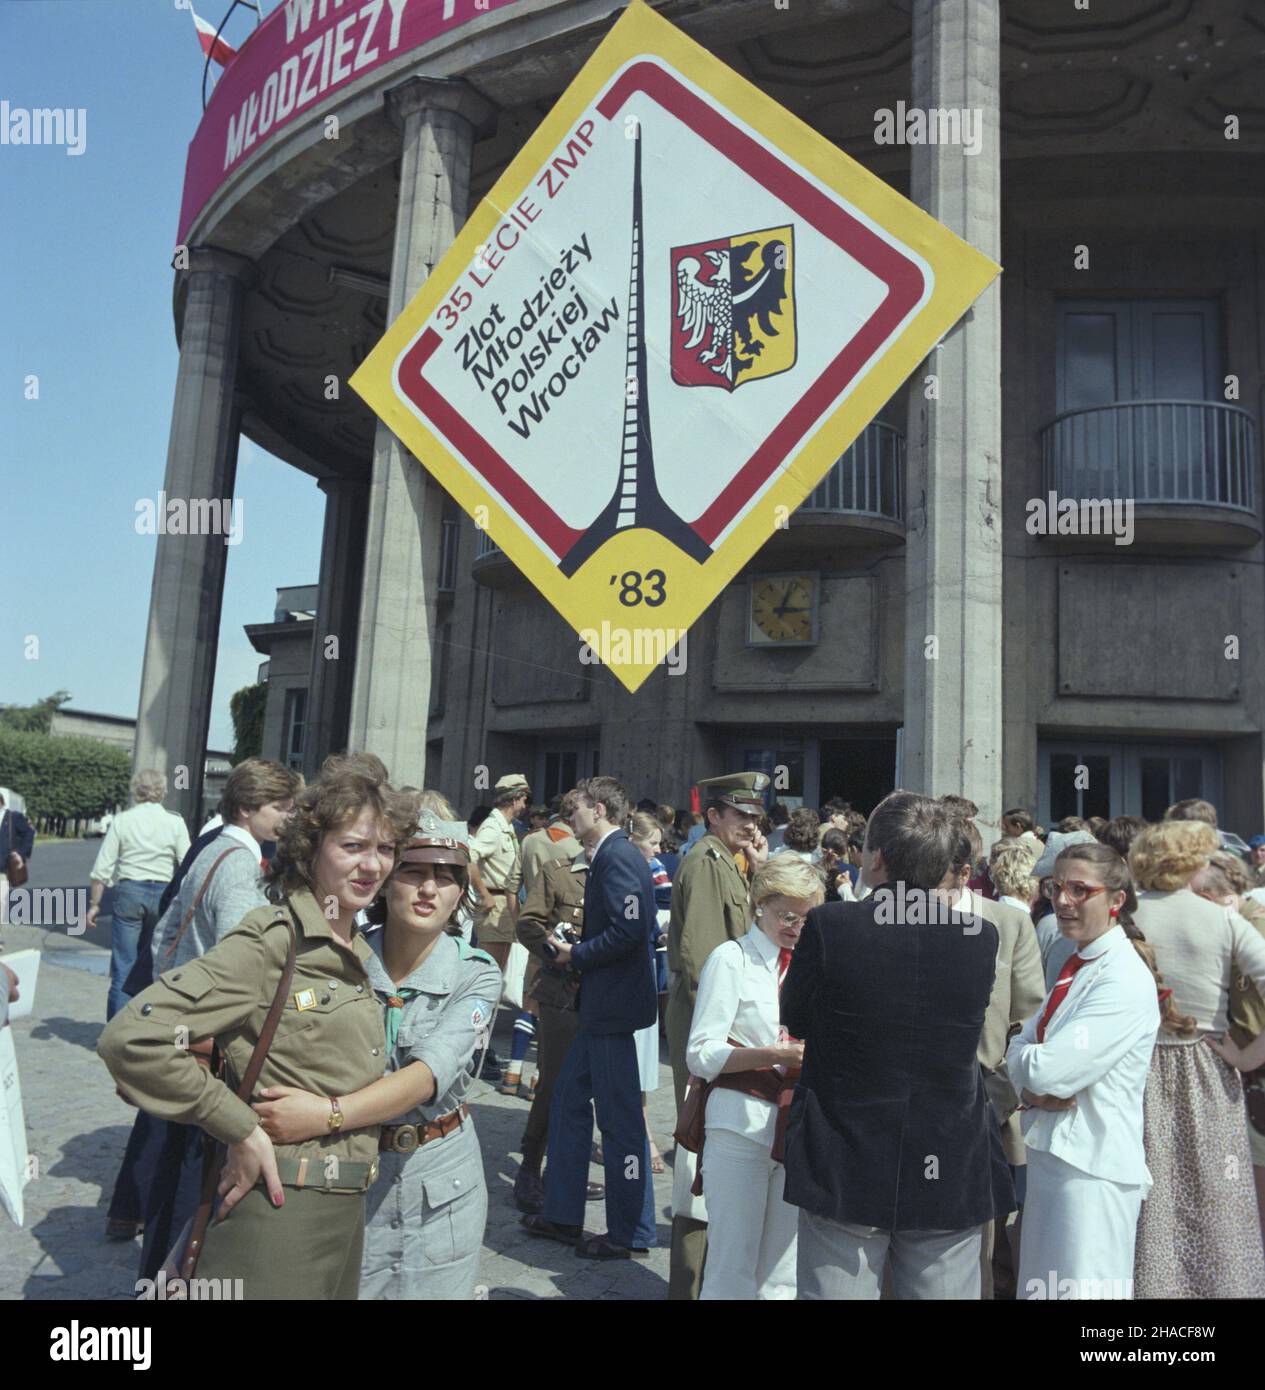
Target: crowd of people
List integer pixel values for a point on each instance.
(904, 1065)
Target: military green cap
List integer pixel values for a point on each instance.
(744, 791)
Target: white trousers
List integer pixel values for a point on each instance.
(1078, 1232)
(751, 1231)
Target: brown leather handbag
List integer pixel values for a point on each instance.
(182, 1259)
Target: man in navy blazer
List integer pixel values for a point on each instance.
(892, 1152)
(618, 995)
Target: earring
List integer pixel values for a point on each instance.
(1114, 912)
(759, 912)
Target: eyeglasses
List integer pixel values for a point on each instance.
(792, 919)
(1077, 891)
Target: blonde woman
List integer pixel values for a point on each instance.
(1199, 1234)
(1010, 867)
(737, 1043)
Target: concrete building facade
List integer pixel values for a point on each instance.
(966, 633)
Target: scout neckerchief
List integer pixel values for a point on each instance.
(395, 1011)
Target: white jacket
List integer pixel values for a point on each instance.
(1097, 1047)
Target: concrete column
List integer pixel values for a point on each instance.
(184, 605)
(337, 614)
(391, 691)
(953, 552)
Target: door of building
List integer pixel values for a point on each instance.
(561, 763)
(1112, 779)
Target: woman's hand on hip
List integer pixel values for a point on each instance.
(247, 1162)
(1036, 1102)
(288, 1115)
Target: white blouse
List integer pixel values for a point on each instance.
(737, 998)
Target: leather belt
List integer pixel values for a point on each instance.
(330, 1173)
(403, 1139)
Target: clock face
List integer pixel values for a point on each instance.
(782, 608)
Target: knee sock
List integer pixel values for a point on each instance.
(524, 1032)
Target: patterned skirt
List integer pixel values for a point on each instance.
(1199, 1235)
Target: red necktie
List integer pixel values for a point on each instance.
(1059, 992)
(783, 965)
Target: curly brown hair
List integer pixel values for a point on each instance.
(330, 803)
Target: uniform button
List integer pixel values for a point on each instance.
(360, 989)
(324, 998)
(147, 1009)
(176, 976)
(333, 984)
(395, 1221)
(456, 1182)
(375, 1051)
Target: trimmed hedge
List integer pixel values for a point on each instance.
(78, 778)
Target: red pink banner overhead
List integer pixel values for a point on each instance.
(304, 52)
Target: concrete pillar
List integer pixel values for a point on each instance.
(391, 691)
(337, 614)
(953, 553)
(184, 605)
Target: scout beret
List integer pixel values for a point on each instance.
(437, 841)
(744, 791)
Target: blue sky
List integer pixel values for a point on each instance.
(85, 294)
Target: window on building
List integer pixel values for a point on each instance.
(1094, 779)
(1143, 382)
(295, 723)
(1133, 350)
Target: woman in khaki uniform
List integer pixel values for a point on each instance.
(291, 1218)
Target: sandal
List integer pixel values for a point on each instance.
(656, 1160)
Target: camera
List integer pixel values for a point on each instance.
(566, 934)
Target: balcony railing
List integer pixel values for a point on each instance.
(867, 480)
(484, 545)
(1200, 453)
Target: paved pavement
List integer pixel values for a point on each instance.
(77, 1129)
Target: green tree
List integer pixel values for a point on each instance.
(78, 778)
(247, 709)
(36, 718)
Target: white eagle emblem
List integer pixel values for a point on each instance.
(701, 307)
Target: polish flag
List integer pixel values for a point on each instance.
(219, 51)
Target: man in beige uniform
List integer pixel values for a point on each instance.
(497, 858)
(710, 905)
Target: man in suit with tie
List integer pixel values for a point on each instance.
(891, 1148)
(618, 995)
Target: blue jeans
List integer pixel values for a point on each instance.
(131, 897)
(600, 1071)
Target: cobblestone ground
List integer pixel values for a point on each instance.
(77, 1129)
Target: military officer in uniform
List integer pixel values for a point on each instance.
(429, 1207)
(710, 905)
(291, 1219)
(498, 868)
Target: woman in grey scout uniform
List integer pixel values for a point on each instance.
(291, 1220)
(429, 1206)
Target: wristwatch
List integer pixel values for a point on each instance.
(335, 1121)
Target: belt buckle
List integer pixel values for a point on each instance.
(405, 1139)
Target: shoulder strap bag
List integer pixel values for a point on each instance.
(182, 1261)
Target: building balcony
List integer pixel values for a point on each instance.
(491, 564)
(1188, 467)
